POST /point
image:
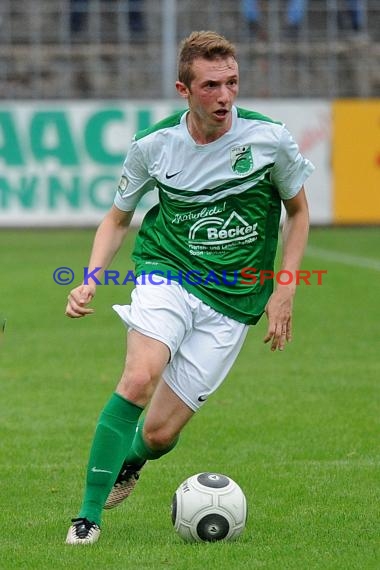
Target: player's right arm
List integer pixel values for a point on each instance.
(134, 183)
(107, 242)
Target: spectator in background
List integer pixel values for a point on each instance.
(352, 17)
(295, 13)
(349, 17)
(136, 16)
(78, 15)
(79, 11)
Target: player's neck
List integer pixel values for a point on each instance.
(204, 134)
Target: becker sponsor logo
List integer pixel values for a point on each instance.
(215, 230)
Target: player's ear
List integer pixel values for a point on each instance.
(182, 90)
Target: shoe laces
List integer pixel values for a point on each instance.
(83, 527)
(128, 472)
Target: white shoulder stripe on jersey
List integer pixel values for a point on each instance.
(195, 197)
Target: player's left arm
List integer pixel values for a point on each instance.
(279, 308)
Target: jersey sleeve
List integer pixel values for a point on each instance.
(134, 182)
(291, 169)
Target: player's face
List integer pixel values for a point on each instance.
(212, 92)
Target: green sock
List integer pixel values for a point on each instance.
(140, 451)
(114, 434)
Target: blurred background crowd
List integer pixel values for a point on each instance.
(70, 49)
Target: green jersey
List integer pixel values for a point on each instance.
(215, 227)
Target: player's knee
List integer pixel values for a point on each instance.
(159, 438)
(137, 386)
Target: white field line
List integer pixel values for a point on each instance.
(343, 258)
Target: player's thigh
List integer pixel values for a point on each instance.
(145, 361)
(157, 319)
(205, 357)
(160, 312)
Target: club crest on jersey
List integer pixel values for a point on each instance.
(242, 159)
(123, 185)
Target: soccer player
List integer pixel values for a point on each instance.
(222, 173)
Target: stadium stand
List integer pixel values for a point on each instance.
(43, 56)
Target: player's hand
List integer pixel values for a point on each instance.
(78, 300)
(279, 312)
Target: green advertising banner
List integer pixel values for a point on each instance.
(60, 162)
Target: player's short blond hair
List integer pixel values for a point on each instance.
(204, 44)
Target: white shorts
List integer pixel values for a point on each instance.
(203, 343)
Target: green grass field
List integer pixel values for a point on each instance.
(298, 430)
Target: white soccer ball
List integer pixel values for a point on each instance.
(208, 507)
